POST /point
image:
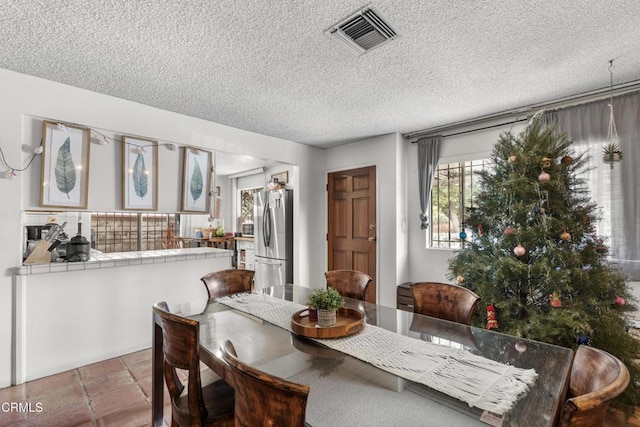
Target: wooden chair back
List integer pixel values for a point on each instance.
(182, 351)
(227, 282)
(596, 378)
(445, 301)
(349, 283)
(263, 399)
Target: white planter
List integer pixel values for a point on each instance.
(326, 318)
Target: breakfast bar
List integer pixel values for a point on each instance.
(70, 314)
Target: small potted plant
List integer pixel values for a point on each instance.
(326, 302)
(612, 153)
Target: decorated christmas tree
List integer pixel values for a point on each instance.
(533, 255)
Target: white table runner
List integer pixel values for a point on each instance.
(476, 380)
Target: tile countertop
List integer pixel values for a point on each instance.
(122, 259)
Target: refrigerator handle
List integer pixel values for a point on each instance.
(269, 224)
(265, 221)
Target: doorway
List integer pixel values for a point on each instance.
(352, 227)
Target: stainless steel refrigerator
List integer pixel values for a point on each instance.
(273, 237)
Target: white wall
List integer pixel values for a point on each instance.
(25, 98)
(384, 152)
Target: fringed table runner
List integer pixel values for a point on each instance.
(475, 380)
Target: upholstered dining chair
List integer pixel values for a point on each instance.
(596, 378)
(349, 283)
(205, 403)
(262, 399)
(226, 282)
(445, 301)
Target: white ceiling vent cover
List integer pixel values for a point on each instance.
(365, 30)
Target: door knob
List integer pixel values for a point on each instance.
(372, 239)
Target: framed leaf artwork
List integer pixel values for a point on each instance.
(196, 180)
(65, 165)
(139, 174)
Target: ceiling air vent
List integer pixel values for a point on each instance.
(365, 30)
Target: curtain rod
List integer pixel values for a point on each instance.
(596, 94)
(497, 125)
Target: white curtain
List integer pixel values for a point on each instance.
(614, 190)
(428, 156)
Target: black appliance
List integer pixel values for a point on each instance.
(247, 229)
(78, 248)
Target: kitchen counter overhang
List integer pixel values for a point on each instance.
(100, 260)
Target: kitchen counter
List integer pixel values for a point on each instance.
(123, 259)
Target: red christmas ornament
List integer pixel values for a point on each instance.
(509, 231)
(554, 300)
(620, 301)
(600, 247)
(492, 323)
(566, 160)
(480, 230)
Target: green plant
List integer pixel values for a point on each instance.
(611, 149)
(325, 299)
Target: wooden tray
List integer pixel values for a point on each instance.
(349, 322)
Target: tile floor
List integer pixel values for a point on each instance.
(115, 392)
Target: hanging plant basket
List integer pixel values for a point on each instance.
(611, 153)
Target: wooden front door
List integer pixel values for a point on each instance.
(352, 222)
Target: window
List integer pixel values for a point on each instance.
(246, 203)
(455, 187)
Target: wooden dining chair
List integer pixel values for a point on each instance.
(226, 282)
(203, 404)
(596, 378)
(263, 399)
(349, 283)
(445, 301)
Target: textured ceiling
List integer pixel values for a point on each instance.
(266, 66)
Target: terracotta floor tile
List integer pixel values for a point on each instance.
(98, 386)
(134, 415)
(45, 385)
(137, 357)
(117, 399)
(59, 397)
(12, 417)
(70, 415)
(101, 369)
(13, 394)
(141, 370)
(167, 414)
(145, 385)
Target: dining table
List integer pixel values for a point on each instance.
(356, 388)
